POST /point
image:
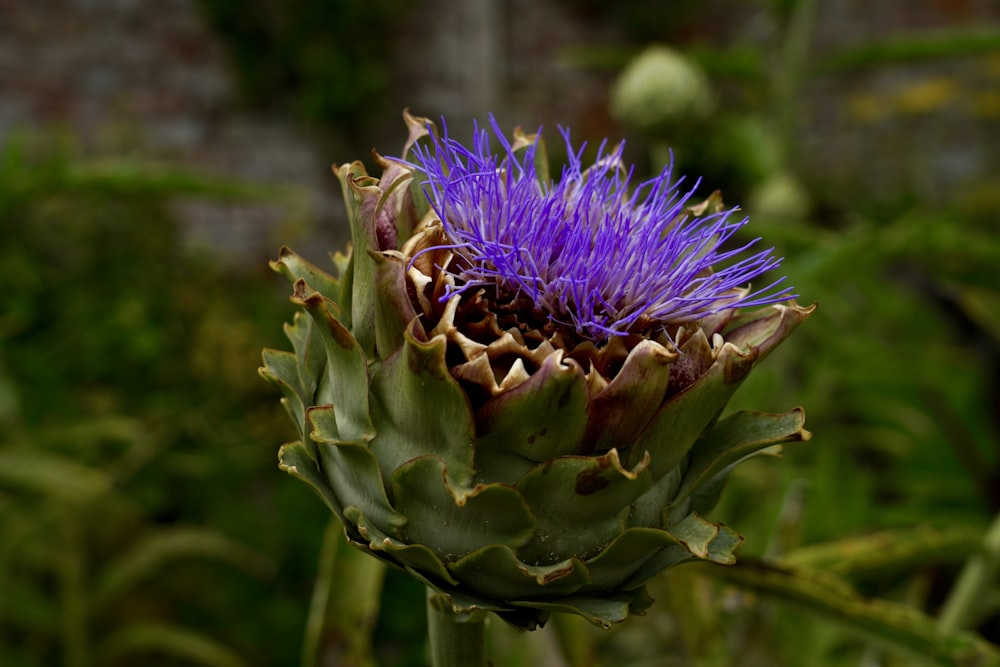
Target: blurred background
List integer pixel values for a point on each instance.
(154, 156)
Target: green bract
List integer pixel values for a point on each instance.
(515, 471)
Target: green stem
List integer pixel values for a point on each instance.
(960, 607)
(788, 79)
(896, 626)
(345, 604)
(456, 639)
(74, 604)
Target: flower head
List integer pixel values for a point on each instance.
(589, 251)
(661, 90)
(472, 399)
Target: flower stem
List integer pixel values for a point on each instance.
(456, 639)
(960, 607)
(345, 604)
(74, 599)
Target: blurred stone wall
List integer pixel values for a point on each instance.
(516, 59)
(897, 100)
(924, 124)
(150, 81)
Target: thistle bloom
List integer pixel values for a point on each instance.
(513, 386)
(588, 251)
(661, 90)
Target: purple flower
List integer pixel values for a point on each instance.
(468, 401)
(591, 253)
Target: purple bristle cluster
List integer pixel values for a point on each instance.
(589, 250)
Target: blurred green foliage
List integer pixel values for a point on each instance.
(899, 372)
(140, 520)
(142, 515)
(327, 60)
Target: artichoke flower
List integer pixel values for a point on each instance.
(659, 90)
(512, 386)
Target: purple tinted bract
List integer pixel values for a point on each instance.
(590, 251)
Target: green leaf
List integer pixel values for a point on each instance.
(418, 559)
(539, 419)
(52, 475)
(190, 646)
(25, 607)
(619, 563)
(342, 261)
(618, 413)
(295, 268)
(397, 209)
(394, 311)
(764, 329)
(982, 305)
(420, 409)
(581, 504)
(887, 552)
(418, 128)
(294, 459)
(148, 556)
(282, 370)
(310, 354)
(895, 626)
(346, 367)
(346, 284)
(707, 540)
(927, 44)
(734, 439)
(684, 417)
(362, 195)
(599, 611)
(496, 572)
(647, 511)
(353, 473)
(453, 520)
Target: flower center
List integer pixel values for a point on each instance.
(588, 254)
